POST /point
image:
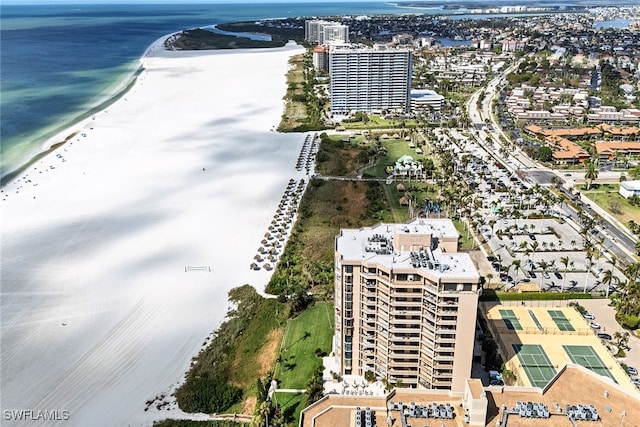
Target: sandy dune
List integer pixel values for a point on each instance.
(98, 314)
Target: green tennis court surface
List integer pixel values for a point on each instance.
(510, 320)
(535, 363)
(561, 321)
(586, 356)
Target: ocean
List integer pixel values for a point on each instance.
(60, 62)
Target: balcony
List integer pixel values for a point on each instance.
(404, 329)
(403, 364)
(395, 345)
(398, 304)
(429, 316)
(443, 357)
(427, 351)
(428, 335)
(367, 275)
(441, 382)
(369, 284)
(448, 303)
(442, 366)
(368, 311)
(443, 322)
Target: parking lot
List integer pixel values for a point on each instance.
(545, 252)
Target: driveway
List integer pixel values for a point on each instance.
(605, 316)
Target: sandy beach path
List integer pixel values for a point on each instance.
(97, 312)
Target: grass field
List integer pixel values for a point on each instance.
(396, 148)
(466, 241)
(292, 405)
(607, 195)
(309, 331)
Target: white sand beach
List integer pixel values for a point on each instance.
(97, 312)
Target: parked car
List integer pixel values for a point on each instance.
(636, 382)
(604, 336)
(589, 316)
(632, 371)
(594, 325)
(496, 382)
(558, 275)
(532, 274)
(546, 275)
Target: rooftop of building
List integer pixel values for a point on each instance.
(604, 147)
(376, 245)
(633, 185)
(425, 93)
(572, 385)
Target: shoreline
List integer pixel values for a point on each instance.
(97, 234)
(60, 135)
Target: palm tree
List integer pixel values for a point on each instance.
(591, 172)
(489, 276)
(565, 261)
(632, 271)
(544, 266)
(534, 246)
(621, 340)
(516, 264)
(607, 278)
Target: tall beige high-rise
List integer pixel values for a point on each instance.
(405, 304)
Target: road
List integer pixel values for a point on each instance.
(489, 134)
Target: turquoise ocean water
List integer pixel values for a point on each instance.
(57, 62)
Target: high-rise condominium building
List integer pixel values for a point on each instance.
(405, 304)
(324, 32)
(369, 79)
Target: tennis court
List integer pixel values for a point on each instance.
(586, 356)
(561, 320)
(535, 363)
(510, 320)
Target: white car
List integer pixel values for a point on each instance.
(589, 316)
(632, 371)
(594, 325)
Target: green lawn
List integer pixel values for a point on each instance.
(310, 330)
(607, 195)
(466, 239)
(292, 405)
(396, 148)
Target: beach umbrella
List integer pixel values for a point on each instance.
(254, 266)
(258, 257)
(267, 266)
(267, 235)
